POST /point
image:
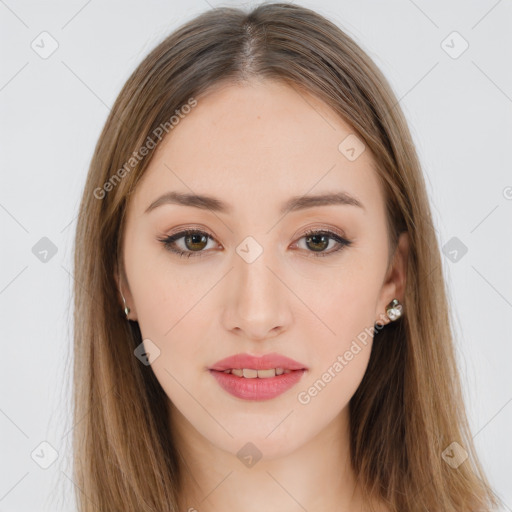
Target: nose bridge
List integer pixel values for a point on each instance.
(256, 283)
(259, 304)
(252, 271)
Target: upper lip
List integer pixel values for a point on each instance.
(264, 362)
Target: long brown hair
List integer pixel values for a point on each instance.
(408, 411)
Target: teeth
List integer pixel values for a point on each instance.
(250, 373)
(265, 374)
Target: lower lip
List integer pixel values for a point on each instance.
(257, 389)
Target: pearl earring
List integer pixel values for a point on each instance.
(394, 310)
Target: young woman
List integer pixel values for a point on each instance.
(261, 319)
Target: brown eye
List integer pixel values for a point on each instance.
(194, 243)
(318, 241)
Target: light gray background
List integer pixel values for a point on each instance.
(52, 111)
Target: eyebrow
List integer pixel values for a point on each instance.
(293, 204)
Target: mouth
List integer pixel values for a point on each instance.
(257, 378)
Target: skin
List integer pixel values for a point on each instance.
(254, 146)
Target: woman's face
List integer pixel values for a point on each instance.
(250, 280)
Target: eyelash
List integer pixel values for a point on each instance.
(169, 242)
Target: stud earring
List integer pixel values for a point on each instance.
(394, 310)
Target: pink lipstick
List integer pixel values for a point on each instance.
(257, 378)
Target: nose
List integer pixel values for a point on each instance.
(258, 304)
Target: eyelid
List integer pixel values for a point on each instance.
(320, 228)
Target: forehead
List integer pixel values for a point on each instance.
(258, 143)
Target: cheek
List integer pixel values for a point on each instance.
(342, 296)
(340, 358)
(174, 313)
(345, 302)
(165, 291)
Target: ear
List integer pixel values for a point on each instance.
(394, 282)
(124, 290)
